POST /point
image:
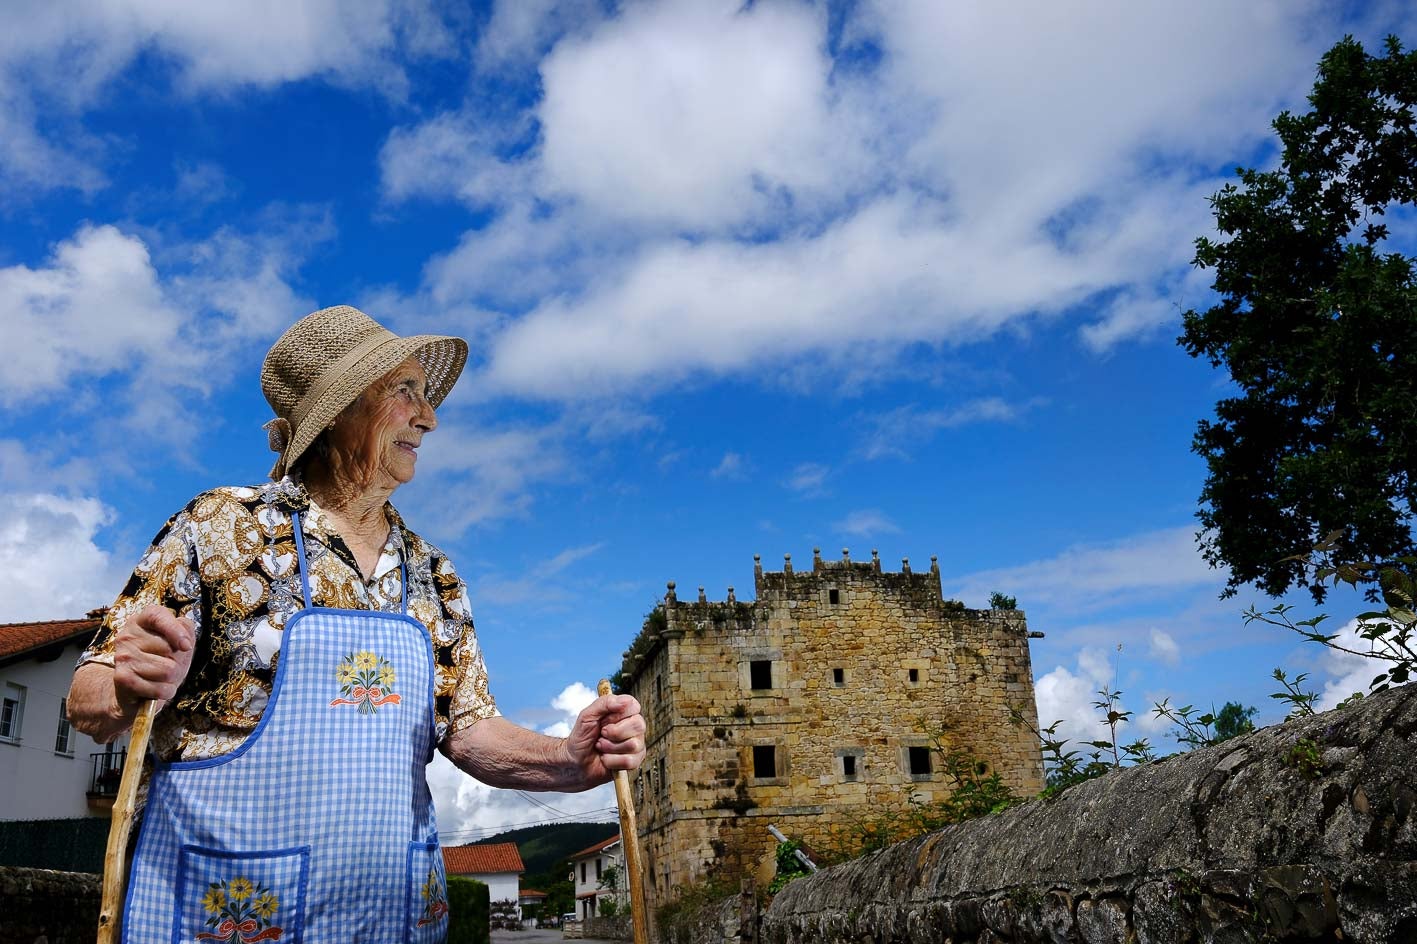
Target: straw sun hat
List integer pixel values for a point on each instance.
(327, 359)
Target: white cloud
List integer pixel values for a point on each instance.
(520, 30)
(534, 587)
(1164, 647)
(570, 702)
(866, 522)
(56, 61)
(99, 311)
(1349, 673)
(1068, 695)
(694, 113)
(469, 810)
(51, 566)
(893, 433)
(1094, 576)
(454, 153)
(808, 479)
(731, 466)
(753, 203)
(486, 473)
(890, 274)
(93, 310)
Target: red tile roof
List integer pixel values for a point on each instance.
(531, 893)
(19, 638)
(478, 860)
(597, 847)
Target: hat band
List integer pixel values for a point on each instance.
(335, 372)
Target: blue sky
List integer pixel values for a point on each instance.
(737, 278)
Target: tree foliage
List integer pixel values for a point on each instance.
(1316, 324)
(1233, 720)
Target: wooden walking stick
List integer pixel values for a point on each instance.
(630, 836)
(115, 857)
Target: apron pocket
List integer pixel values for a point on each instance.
(427, 911)
(240, 897)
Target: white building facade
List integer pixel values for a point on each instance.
(48, 770)
(594, 880)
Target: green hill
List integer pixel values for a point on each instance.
(543, 847)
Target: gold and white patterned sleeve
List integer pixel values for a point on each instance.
(462, 671)
(166, 575)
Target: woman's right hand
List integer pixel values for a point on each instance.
(152, 653)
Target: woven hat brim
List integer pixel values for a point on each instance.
(442, 358)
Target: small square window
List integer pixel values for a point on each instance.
(839, 677)
(834, 596)
(848, 766)
(764, 761)
(914, 676)
(919, 761)
(760, 673)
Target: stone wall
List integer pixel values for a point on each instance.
(1299, 832)
(852, 664)
(57, 907)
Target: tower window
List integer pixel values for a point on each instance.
(839, 677)
(834, 596)
(919, 761)
(914, 676)
(764, 761)
(848, 766)
(760, 673)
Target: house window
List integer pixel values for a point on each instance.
(848, 766)
(598, 870)
(834, 596)
(583, 878)
(919, 761)
(760, 673)
(64, 737)
(12, 711)
(914, 676)
(839, 678)
(764, 761)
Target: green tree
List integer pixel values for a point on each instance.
(1233, 720)
(1316, 324)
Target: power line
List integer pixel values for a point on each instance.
(474, 831)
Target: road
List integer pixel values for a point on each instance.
(542, 936)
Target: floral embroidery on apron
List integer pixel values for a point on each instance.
(366, 681)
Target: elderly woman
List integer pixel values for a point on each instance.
(310, 652)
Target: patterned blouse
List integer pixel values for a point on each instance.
(228, 562)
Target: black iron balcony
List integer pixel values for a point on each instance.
(107, 771)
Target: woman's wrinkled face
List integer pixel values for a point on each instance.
(375, 440)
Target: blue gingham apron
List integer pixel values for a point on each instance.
(319, 827)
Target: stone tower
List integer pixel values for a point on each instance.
(811, 705)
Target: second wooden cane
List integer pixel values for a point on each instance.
(630, 837)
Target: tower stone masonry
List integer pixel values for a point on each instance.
(811, 706)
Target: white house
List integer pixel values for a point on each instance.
(498, 865)
(47, 769)
(589, 872)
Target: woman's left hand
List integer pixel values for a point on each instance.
(609, 735)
